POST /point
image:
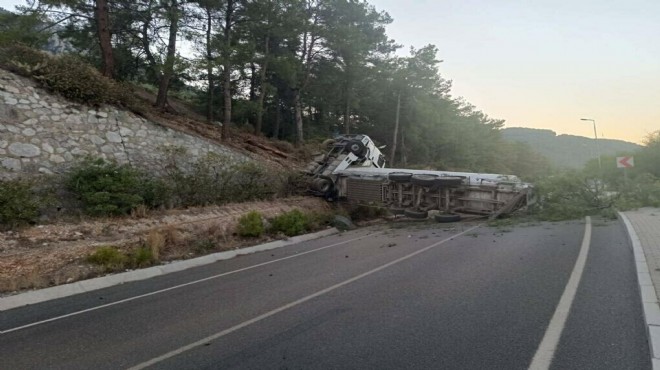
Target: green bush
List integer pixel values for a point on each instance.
(250, 181)
(642, 191)
(154, 191)
(19, 203)
(109, 257)
(291, 183)
(141, 257)
(106, 189)
(203, 246)
(112, 259)
(318, 220)
(290, 223)
(251, 225)
(214, 179)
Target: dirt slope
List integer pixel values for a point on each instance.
(54, 254)
(181, 117)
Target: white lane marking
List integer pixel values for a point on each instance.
(182, 285)
(290, 305)
(546, 351)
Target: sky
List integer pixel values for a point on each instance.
(542, 63)
(545, 63)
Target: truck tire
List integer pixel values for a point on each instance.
(447, 217)
(448, 181)
(322, 185)
(413, 213)
(356, 147)
(424, 180)
(399, 176)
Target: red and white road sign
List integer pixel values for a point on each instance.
(625, 162)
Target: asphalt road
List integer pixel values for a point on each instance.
(423, 296)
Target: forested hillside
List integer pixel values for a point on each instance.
(567, 151)
(289, 69)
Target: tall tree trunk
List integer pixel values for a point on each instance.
(347, 97)
(253, 82)
(404, 159)
(227, 68)
(297, 104)
(103, 29)
(396, 129)
(168, 68)
(347, 117)
(278, 118)
(209, 67)
(152, 71)
(262, 89)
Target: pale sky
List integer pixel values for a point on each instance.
(543, 63)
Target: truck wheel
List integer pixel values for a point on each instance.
(399, 176)
(424, 180)
(356, 147)
(447, 217)
(413, 213)
(448, 181)
(322, 185)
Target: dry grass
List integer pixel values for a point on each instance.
(155, 242)
(218, 232)
(28, 280)
(141, 211)
(172, 236)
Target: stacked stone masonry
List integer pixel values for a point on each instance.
(44, 133)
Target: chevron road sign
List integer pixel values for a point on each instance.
(625, 162)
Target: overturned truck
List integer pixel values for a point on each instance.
(353, 168)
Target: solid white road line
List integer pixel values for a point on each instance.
(290, 305)
(546, 351)
(183, 285)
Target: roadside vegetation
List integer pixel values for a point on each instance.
(596, 191)
(20, 203)
(105, 188)
(171, 243)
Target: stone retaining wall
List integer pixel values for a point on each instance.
(44, 133)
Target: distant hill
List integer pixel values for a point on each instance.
(566, 151)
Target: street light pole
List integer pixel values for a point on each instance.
(600, 166)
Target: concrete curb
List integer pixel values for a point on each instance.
(650, 302)
(60, 291)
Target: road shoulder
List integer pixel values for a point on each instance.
(61, 291)
(643, 229)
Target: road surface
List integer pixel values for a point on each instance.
(415, 296)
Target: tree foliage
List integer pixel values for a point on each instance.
(293, 70)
